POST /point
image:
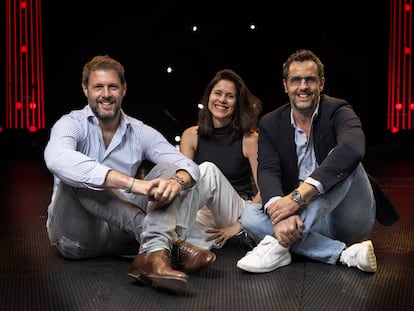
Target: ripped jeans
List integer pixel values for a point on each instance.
(85, 223)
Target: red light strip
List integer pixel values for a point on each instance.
(24, 66)
(400, 107)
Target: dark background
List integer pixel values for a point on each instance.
(350, 37)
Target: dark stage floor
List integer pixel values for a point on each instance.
(33, 277)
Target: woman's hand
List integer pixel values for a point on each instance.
(222, 235)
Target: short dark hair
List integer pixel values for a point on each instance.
(301, 56)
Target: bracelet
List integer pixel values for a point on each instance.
(180, 180)
(130, 186)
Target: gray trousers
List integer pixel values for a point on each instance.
(86, 223)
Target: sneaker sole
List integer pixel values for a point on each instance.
(372, 260)
(284, 261)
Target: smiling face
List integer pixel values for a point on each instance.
(303, 85)
(222, 102)
(105, 93)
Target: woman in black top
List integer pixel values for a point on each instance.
(224, 143)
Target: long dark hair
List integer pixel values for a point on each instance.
(247, 111)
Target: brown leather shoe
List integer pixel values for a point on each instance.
(154, 269)
(191, 258)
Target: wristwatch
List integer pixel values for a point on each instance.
(295, 196)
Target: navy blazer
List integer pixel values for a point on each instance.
(339, 143)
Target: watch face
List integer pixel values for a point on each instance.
(297, 197)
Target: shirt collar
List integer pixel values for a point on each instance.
(314, 115)
(91, 117)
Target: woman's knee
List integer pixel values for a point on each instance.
(208, 168)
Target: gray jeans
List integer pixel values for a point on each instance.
(85, 223)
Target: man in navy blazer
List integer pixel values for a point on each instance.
(318, 200)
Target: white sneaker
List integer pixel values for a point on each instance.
(267, 256)
(360, 255)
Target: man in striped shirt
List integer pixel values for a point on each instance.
(99, 207)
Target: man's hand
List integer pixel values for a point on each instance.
(281, 209)
(289, 230)
(162, 191)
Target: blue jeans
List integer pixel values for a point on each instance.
(343, 216)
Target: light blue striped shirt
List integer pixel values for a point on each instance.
(76, 152)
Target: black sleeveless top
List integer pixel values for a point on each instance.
(229, 158)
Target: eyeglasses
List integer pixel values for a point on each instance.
(296, 81)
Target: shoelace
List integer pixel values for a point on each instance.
(262, 248)
(349, 259)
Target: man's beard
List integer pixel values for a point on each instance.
(104, 116)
